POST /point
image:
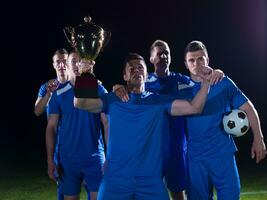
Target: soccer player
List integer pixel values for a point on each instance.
(45, 92)
(211, 160)
(134, 151)
(163, 81)
(81, 147)
(46, 89)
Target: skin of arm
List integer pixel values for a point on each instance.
(182, 107)
(41, 103)
(258, 149)
(93, 105)
(104, 121)
(121, 92)
(50, 141)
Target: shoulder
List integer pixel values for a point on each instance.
(227, 81)
(109, 98)
(151, 78)
(155, 98)
(63, 88)
(101, 88)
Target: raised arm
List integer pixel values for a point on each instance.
(183, 107)
(41, 102)
(258, 149)
(50, 143)
(94, 105)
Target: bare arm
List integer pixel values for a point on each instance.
(104, 121)
(183, 107)
(94, 105)
(40, 104)
(258, 149)
(50, 141)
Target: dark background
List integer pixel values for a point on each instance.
(234, 32)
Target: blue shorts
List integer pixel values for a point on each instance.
(128, 188)
(60, 195)
(175, 162)
(175, 172)
(220, 173)
(74, 173)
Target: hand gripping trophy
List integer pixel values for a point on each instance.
(88, 39)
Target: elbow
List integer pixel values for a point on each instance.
(197, 110)
(36, 112)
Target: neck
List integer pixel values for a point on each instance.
(72, 80)
(136, 88)
(162, 72)
(62, 80)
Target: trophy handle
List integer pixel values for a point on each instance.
(68, 31)
(107, 36)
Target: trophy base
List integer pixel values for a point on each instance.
(86, 86)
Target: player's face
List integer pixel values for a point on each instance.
(73, 64)
(160, 56)
(196, 59)
(135, 72)
(59, 64)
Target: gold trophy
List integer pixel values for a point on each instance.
(87, 38)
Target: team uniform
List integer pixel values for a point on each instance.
(134, 151)
(211, 160)
(81, 147)
(41, 93)
(175, 145)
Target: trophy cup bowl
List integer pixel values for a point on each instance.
(88, 39)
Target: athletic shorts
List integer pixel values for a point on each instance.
(220, 172)
(128, 188)
(74, 173)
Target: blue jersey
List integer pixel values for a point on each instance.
(170, 85)
(135, 134)
(80, 131)
(206, 136)
(42, 91)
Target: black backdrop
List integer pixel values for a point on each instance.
(233, 31)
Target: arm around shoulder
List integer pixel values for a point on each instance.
(183, 107)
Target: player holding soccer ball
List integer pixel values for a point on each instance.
(211, 160)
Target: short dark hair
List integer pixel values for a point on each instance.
(195, 46)
(73, 51)
(131, 56)
(158, 43)
(61, 51)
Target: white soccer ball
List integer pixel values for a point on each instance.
(236, 122)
